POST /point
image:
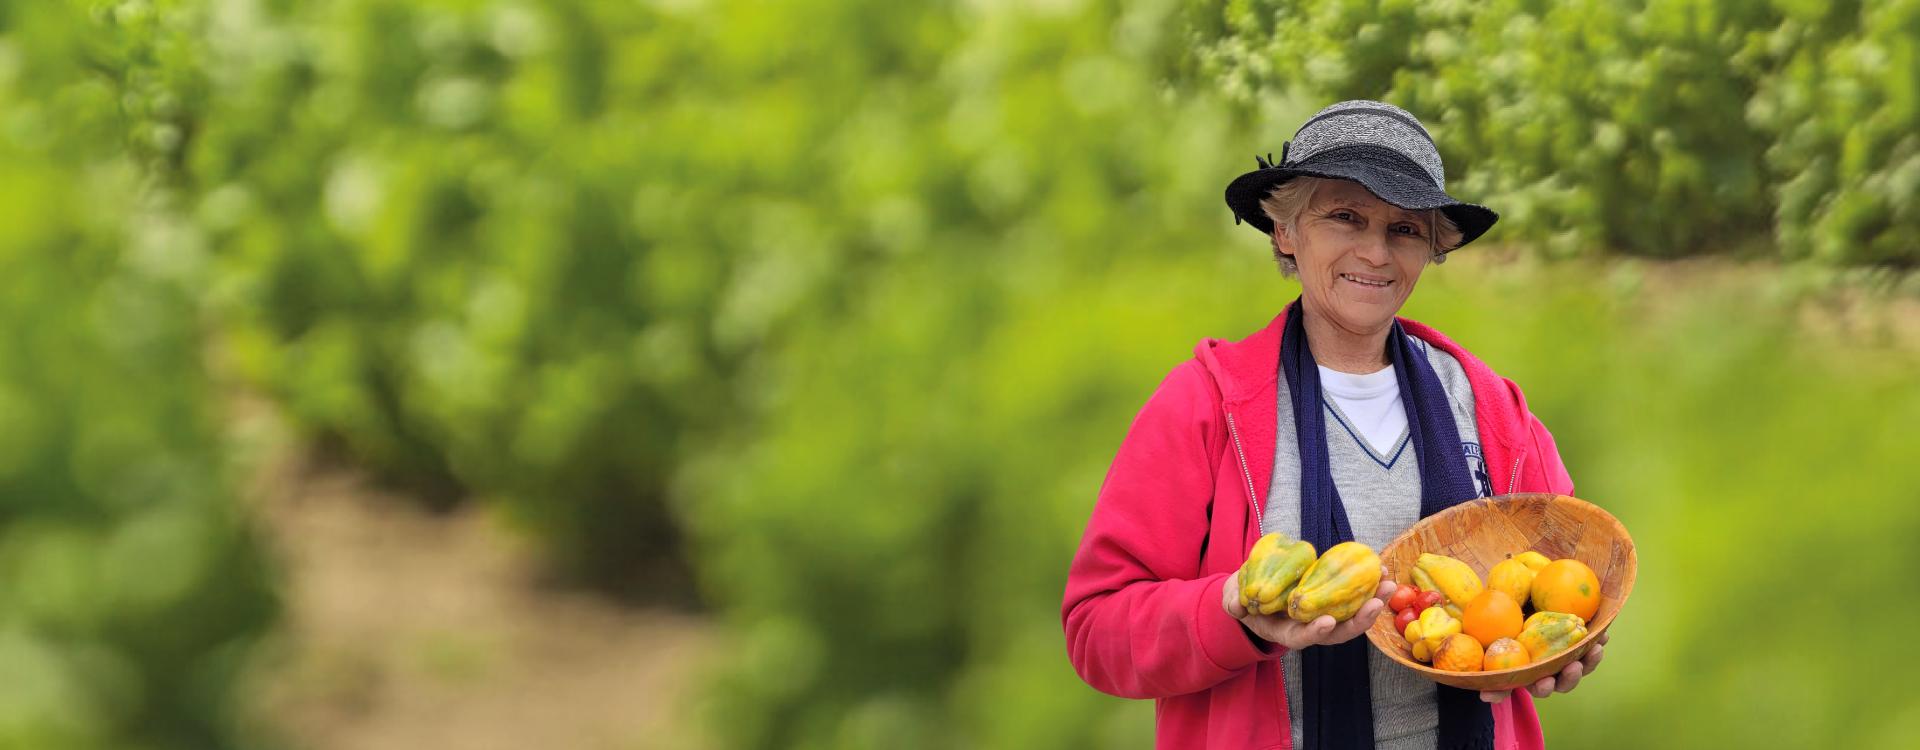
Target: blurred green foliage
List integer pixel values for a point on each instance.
(1762, 469)
(856, 299)
(502, 247)
(888, 545)
(888, 541)
(131, 586)
(1663, 128)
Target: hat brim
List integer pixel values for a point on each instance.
(1388, 174)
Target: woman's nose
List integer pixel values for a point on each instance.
(1372, 248)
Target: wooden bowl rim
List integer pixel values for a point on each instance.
(1522, 675)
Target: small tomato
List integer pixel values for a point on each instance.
(1403, 598)
(1428, 599)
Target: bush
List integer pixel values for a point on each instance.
(888, 542)
(1667, 128)
(864, 294)
(1842, 115)
(505, 248)
(131, 585)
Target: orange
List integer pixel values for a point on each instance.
(1505, 653)
(1458, 653)
(1491, 616)
(1567, 586)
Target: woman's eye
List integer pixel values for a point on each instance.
(1407, 230)
(1343, 215)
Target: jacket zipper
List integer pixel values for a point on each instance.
(1260, 523)
(1515, 479)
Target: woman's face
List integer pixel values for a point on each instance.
(1359, 256)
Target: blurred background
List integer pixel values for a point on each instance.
(730, 374)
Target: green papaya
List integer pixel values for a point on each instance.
(1271, 571)
(1337, 584)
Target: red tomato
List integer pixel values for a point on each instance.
(1429, 599)
(1403, 598)
(1403, 617)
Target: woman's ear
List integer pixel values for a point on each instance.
(1282, 242)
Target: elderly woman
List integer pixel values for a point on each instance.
(1338, 421)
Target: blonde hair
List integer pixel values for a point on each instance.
(1286, 202)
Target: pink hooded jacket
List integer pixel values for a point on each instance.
(1176, 515)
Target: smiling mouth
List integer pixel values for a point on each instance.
(1367, 282)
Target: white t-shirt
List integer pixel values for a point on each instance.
(1371, 402)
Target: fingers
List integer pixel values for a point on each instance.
(1322, 631)
(1569, 677)
(1230, 597)
(1361, 621)
(1597, 652)
(1299, 635)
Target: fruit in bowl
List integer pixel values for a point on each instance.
(1518, 639)
(1567, 586)
(1491, 616)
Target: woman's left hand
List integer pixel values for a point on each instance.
(1563, 682)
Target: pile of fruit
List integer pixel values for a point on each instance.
(1458, 624)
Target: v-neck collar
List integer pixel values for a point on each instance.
(1385, 462)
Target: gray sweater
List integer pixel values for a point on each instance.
(1381, 494)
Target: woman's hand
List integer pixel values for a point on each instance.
(1563, 682)
(1323, 631)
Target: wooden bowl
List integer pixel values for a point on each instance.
(1483, 532)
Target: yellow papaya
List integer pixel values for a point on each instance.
(1533, 560)
(1513, 578)
(1423, 581)
(1271, 571)
(1452, 578)
(1435, 625)
(1548, 633)
(1419, 644)
(1337, 584)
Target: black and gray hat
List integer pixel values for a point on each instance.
(1376, 144)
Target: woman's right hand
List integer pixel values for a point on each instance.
(1323, 631)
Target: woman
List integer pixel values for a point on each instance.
(1338, 421)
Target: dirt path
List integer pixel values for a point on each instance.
(406, 630)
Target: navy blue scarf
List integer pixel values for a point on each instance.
(1338, 697)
